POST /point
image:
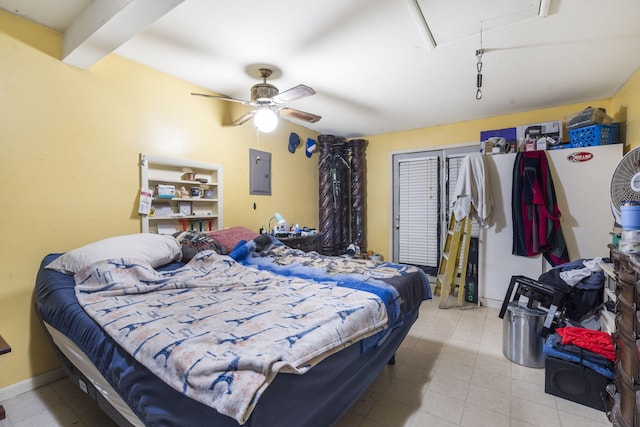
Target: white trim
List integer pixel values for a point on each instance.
(421, 21)
(30, 384)
(433, 148)
(178, 162)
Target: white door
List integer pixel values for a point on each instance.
(416, 209)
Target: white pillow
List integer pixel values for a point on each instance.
(156, 249)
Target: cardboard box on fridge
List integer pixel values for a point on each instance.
(551, 131)
(498, 141)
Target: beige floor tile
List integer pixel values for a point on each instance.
(27, 405)
(480, 417)
(530, 375)
(449, 386)
(440, 329)
(534, 413)
(493, 363)
(415, 372)
(467, 335)
(451, 314)
(459, 354)
(568, 419)
(424, 419)
(456, 370)
(491, 400)
(404, 392)
(532, 392)
(390, 412)
(443, 406)
(430, 346)
(492, 349)
(570, 407)
(491, 380)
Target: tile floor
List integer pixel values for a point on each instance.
(450, 371)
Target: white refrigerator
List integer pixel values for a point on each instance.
(582, 192)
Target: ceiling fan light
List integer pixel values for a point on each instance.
(265, 120)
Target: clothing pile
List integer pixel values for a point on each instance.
(591, 349)
(583, 280)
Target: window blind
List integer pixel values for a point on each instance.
(418, 211)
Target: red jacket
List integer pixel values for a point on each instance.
(535, 213)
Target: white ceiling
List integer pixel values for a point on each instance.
(368, 60)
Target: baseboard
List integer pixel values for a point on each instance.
(490, 303)
(33, 383)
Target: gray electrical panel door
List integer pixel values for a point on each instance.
(260, 172)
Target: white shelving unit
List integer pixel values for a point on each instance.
(181, 212)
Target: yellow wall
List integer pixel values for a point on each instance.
(69, 147)
(625, 107)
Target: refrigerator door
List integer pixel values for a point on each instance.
(582, 191)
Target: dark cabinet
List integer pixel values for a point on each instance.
(627, 345)
(304, 243)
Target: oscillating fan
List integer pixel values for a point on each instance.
(625, 182)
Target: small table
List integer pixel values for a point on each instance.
(4, 348)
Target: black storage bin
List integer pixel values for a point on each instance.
(575, 382)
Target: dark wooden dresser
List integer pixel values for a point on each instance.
(627, 343)
(304, 243)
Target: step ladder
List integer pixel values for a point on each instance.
(452, 270)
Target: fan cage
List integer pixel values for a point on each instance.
(625, 181)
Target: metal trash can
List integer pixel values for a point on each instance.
(521, 340)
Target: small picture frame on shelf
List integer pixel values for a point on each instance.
(184, 208)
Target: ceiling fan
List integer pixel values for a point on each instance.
(266, 97)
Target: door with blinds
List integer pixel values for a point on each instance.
(422, 184)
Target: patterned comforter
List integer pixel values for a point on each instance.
(401, 287)
(219, 332)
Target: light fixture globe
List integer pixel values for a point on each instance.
(265, 120)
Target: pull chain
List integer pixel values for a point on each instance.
(479, 53)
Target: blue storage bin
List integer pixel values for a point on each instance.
(589, 136)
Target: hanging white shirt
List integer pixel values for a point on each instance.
(471, 190)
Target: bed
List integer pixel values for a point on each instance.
(238, 331)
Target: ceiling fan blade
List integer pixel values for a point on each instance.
(300, 115)
(243, 118)
(294, 93)
(223, 98)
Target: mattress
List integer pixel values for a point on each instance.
(140, 397)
